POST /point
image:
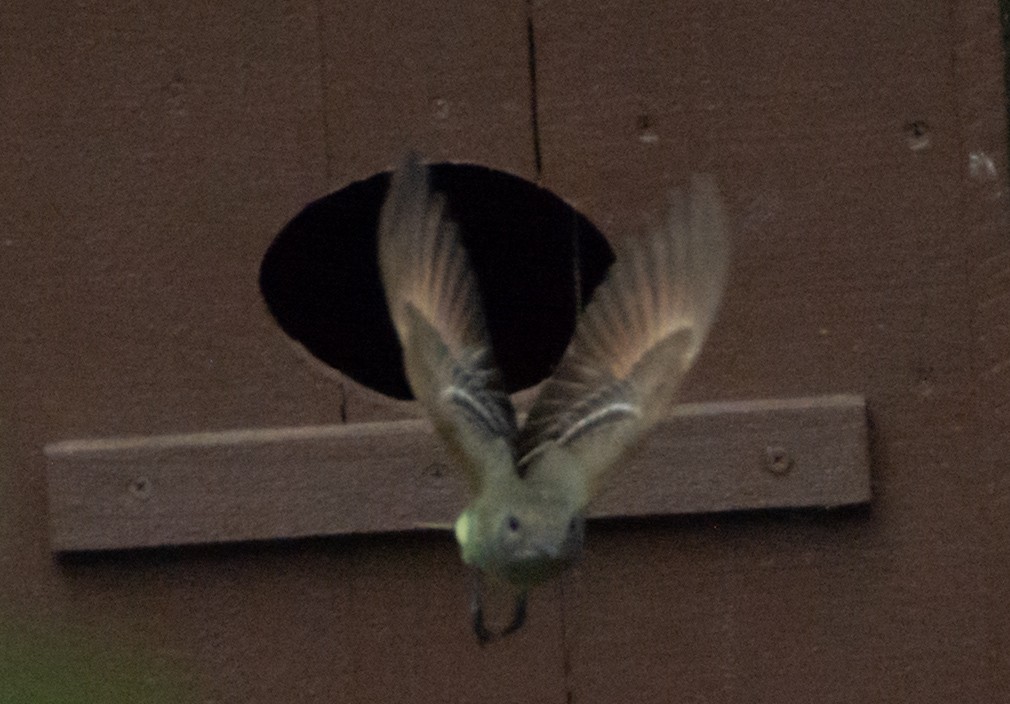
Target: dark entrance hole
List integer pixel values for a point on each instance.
(320, 276)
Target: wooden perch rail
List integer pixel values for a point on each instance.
(377, 477)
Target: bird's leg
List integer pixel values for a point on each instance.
(483, 633)
(477, 613)
(518, 616)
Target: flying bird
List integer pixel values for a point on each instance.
(632, 346)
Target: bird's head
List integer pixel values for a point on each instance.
(522, 536)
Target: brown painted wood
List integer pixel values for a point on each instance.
(980, 43)
(863, 246)
(151, 151)
(383, 477)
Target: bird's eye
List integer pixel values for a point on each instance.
(513, 524)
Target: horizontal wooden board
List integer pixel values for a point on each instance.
(393, 476)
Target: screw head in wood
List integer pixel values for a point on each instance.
(778, 461)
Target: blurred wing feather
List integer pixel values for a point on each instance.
(636, 340)
(436, 309)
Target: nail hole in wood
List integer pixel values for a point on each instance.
(141, 488)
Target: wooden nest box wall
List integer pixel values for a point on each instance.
(206, 458)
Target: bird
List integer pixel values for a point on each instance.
(634, 342)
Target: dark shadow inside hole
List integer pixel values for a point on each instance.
(320, 276)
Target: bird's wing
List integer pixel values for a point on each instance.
(636, 340)
(435, 305)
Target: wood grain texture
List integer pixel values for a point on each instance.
(151, 152)
(385, 477)
(856, 257)
(982, 103)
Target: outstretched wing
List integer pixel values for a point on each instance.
(436, 309)
(634, 343)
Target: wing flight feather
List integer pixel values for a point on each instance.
(435, 304)
(636, 340)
